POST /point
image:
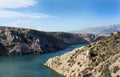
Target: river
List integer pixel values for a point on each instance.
(29, 65)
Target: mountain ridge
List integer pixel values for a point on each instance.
(103, 30)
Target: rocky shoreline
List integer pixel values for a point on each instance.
(99, 59)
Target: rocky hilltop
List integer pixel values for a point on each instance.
(18, 41)
(99, 59)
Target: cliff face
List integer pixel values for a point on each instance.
(99, 59)
(18, 41)
(71, 38)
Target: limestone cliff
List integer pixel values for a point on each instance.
(99, 59)
(18, 41)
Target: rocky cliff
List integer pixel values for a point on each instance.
(99, 59)
(18, 41)
(72, 38)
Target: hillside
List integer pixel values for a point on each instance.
(99, 59)
(19, 41)
(72, 38)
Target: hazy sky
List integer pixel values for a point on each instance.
(59, 15)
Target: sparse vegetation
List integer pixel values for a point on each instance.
(94, 60)
(115, 69)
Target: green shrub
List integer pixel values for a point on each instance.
(115, 69)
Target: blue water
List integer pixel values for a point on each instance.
(29, 65)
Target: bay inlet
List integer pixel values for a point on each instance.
(30, 65)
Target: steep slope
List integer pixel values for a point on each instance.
(99, 59)
(72, 38)
(18, 41)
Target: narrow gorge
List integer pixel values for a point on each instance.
(20, 41)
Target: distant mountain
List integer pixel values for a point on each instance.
(104, 30)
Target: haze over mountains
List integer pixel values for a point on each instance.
(103, 30)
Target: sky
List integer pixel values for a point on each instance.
(59, 15)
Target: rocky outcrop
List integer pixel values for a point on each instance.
(99, 59)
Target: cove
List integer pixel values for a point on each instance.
(30, 65)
